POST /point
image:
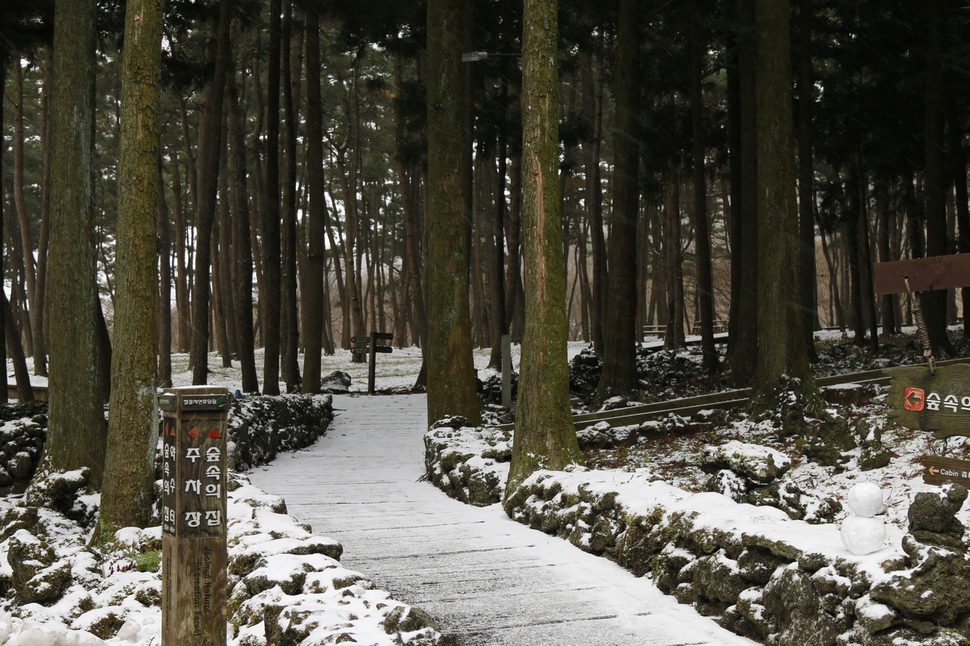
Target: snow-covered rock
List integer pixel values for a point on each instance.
(758, 463)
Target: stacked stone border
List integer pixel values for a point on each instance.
(756, 571)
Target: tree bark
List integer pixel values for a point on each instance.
(412, 246)
(270, 298)
(292, 59)
(881, 195)
(620, 337)
(25, 392)
(808, 292)
(780, 340)
(934, 190)
(313, 292)
(705, 282)
(592, 119)
(40, 334)
(4, 319)
(127, 495)
(544, 435)
(450, 367)
(210, 147)
(164, 306)
(182, 281)
(744, 243)
(33, 322)
(76, 431)
(673, 264)
(243, 249)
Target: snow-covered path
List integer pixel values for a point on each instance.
(488, 580)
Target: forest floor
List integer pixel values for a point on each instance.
(811, 481)
(816, 477)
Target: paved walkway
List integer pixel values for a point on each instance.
(488, 580)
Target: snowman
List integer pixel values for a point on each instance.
(862, 533)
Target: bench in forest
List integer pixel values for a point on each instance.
(655, 330)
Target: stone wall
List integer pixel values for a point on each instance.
(259, 429)
(780, 581)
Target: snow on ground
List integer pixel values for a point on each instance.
(675, 461)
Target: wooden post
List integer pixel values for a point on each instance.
(374, 349)
(506, 371)
(194, 553)
(372, 368)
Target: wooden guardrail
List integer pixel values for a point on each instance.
(687, 406)
(40, 392)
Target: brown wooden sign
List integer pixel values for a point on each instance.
(924, 274)
(939, 470)
(937, 402)
(194, 551)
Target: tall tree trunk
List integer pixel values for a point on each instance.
(412, 253)
(270, 299)
(592, 119)
(780, 340)
(182, 306)
(836, 296)
(127, 495)
(514, 293)
(958, 165)
(4, 319)
(164, 305)
(620, 337)
(808, 292)
(226, 249)
(34, 320)
(450, 367)
(495, 254)
(25, 392)
(544, 435)
(881, 195)
(40, 334)
(705, 281)
(312, 290)
(674, 264)
(210, 146)
(292, 59)
(934, 190)
(853, 228)
(744, 242)
(243, 249)
(219, 263)
(865, 268)
(76, 431)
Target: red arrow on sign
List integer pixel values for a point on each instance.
(214, 434)
(913, 399)
(194, 433)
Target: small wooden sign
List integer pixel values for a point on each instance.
(939, 402)
(939, 470)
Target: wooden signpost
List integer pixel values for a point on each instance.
(194, 552)
(928, 397)
(923, 274)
